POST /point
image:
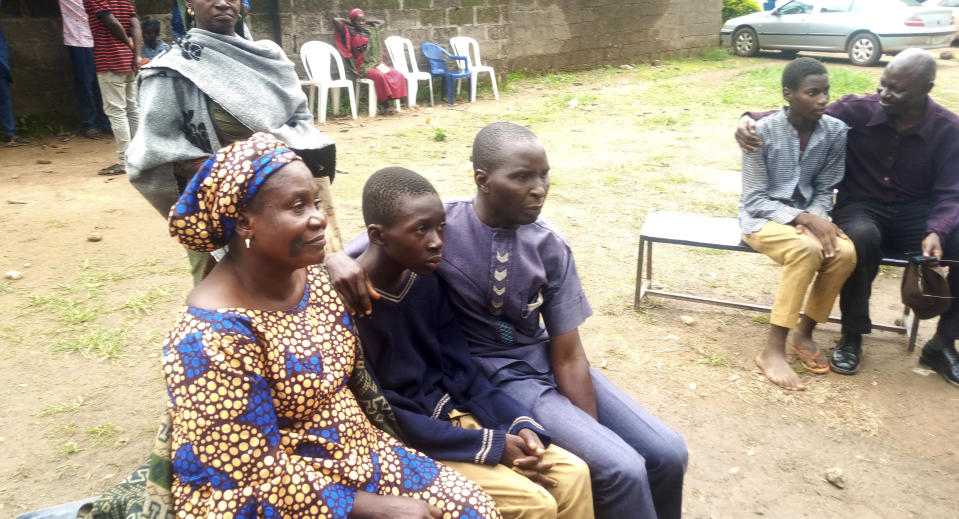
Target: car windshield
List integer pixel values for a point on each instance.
(795, 7)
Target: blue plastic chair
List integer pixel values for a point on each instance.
(438, 67)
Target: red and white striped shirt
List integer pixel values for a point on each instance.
(109, 53)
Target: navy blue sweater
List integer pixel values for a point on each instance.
(418, 355)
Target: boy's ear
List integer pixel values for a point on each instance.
(482, 180)
(787, 94)
(375, 232)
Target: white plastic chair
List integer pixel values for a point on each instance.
(466, 46)
(316, 56)
(403, 59)
(371, 94)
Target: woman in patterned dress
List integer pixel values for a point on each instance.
(258, 362)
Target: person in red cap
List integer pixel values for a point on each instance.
(358, 40)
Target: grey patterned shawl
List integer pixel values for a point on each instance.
(254, 81)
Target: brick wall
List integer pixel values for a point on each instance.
(525, 34)
(513, 34)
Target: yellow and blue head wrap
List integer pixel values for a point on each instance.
(204, 217)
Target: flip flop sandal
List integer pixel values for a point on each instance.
(115, 169)
(808, 360)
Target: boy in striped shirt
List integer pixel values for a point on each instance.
(117, 43)
(783, 213)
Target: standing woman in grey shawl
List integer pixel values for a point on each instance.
(214, 88)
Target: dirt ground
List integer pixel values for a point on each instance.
(80, 343)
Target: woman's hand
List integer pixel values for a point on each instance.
(374, 506)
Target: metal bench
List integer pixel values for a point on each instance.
(723, 233)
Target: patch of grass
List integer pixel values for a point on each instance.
(102, 432)
(6, 287)
(617, 309)
(612, 180)
(681, 119)
(714, 207)
(439, 134)
(716, 54)
(556, 79)
(96, 342)
(761, 319)
(650, 302)
(36, 126)
(93, 283)
(144, 304)
(68, 447)
(67, 310)
(712, 359)
(64, 407)
(762, 87)
(528, 118)
(843, 81)
(572, 100)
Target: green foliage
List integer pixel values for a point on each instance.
(716, 54)
(763, 86)
(36, 126)
(734, 8)
(439, 134)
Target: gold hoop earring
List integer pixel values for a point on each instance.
(190, 11)
(247, 243)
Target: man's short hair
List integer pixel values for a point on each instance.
(384, 191)
(799, 68)
(152, 25)
(488, 143)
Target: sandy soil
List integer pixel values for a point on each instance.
(82, 389)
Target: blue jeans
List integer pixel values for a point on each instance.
(86, 87)
(7, 122)
(636, 462)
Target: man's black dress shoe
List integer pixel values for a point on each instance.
(846, 357)
(944, 360)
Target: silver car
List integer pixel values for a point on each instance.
(953, 5)
(865, 29)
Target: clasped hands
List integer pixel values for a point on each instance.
(523, 454)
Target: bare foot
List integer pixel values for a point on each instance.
(809, 353)
(778, 371)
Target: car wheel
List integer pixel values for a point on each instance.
(745, 42)
(864, 50)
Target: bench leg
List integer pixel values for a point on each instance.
(643, 279)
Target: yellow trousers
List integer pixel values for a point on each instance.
(517, 497)
(802, 258)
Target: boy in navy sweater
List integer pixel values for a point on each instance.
(416, 351)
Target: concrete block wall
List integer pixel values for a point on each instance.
(536, 35)
(40, 66)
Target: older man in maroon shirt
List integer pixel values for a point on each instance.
(900, 192)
